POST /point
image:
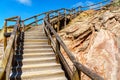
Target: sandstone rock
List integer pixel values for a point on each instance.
(88, 13)
(110, 23)
(100, 52)
(1, 50)
(83, 46)
(85, 34)
(116, 29)
(106, 16)
(98, 26)
(116, 11)
(117, 16)
(103, 56)
(82, 30)
(72, 28)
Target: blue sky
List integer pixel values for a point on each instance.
(27, 8)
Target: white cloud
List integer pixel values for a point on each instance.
(25, 2)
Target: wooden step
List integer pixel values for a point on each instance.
(36, 60)
(35, 55)
(53, 78)
(40, 75)
(35, 29)
(35, 43)
(35, 40)
(37, 50)
(34, 33)
(35, 37)
(36, 67)
(36, 46)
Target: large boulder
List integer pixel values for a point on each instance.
(104, 56)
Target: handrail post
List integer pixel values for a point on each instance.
(76, 74)
(5, 31)
(79, 9)
(48, 16)
(58, 24)
(19, 25)
(57, 50)
(23, 26)
(74, 13)
(65, 18)
(36, 20)
(49, 41)
(70, 15)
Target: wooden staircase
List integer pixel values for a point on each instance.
(35, 58)
(32, 58)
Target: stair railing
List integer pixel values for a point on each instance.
(34, 20)
(12, 19)
(57, 45)
(9, 47)
(54, 16)
(60, 14)
(49, 20)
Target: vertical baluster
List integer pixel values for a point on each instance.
(65, 18)
(36, 20)
(23, 26)
(75, 13)
(58, 24)
(79, 9)
(49, 41)
(70, 15)
(80, 74)
(76, 74)
(48, 16)
(5, 31)
(44, 28)
(57, 50)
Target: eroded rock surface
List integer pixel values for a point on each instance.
(104, 54)
(94, 39)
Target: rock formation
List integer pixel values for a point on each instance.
(94, 38)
